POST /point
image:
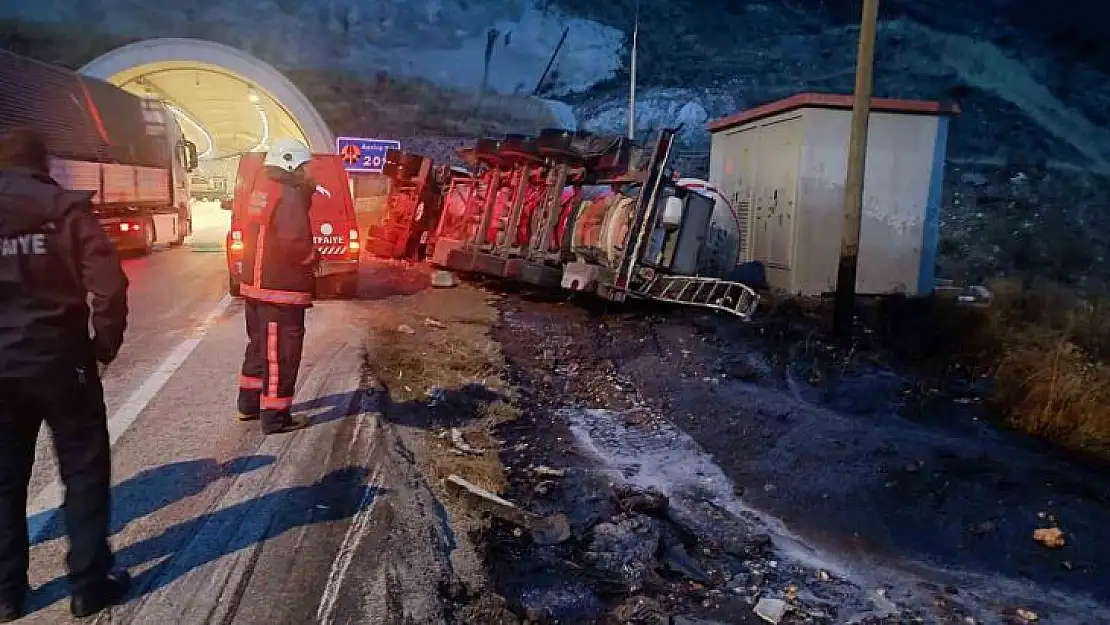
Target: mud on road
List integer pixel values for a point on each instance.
(665, 466)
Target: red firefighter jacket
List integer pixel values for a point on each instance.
(279, 255)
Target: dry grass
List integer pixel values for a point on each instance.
(1048, 357)
(432, 350)
(1045, 347)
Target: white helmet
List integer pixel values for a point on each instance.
(288, 154)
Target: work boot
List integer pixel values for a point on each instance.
(107, 593)
(249, 416)
(280, 424)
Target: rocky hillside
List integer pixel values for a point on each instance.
(1032, 78)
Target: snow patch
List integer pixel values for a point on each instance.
(668, 460)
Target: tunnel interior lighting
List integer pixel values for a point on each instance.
(210, 145)
(265, 139)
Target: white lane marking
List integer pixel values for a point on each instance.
(50, 498)
(355, 533)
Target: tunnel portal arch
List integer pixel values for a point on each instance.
(134, 60)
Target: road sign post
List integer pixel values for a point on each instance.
(361, 155)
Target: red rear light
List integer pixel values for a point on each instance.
(127, 226)
(236, 241)
(352, 241)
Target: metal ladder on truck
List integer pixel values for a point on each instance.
(731, 297)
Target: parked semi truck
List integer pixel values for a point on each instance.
(127, 149)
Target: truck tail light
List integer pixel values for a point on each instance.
(236, 241)
(128, 226)
(352, 242)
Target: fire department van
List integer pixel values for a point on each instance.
(333, 223)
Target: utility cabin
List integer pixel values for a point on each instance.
(783, 167)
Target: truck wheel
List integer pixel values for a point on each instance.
(179, 233)
(148, 236)
(232, 286)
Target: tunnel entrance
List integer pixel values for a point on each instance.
(227, 102)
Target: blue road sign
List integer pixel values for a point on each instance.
(364, 155)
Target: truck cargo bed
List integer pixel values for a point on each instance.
(81, 118)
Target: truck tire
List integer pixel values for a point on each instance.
(232, 286)
(149, 236)
(179, 233)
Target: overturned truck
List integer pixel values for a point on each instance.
(588, 213)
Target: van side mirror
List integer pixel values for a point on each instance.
(225, 204)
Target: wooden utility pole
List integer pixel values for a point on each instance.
(844, 307)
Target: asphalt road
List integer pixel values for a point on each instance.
(217, 523)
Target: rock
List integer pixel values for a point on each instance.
(1051, 537)
(677, 560)
(549, 472)
(434, 323)
(622, 553)
(550, 530)
(443, 279)
(650, 501)
(771, 610)
(405, 329)
(1028, 615)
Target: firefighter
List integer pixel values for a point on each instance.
(278, 280)
(53, 255)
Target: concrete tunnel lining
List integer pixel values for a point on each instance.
(132, 59)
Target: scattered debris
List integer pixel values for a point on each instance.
(549, 472)
(771, 610)
(460, 443)
(550, 530)
(640, 609)
(1051, 537)
(434, 323)
(482, 498)
(405, 329)
(443, 279)
(623, 553)
(1028, 615)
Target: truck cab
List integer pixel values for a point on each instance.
(334, 226)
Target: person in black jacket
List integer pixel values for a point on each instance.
(278, 282)
(53, 255)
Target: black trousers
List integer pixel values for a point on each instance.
(72, 405)
(275, 341)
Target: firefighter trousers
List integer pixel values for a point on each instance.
(72, 405)
(275, 340)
